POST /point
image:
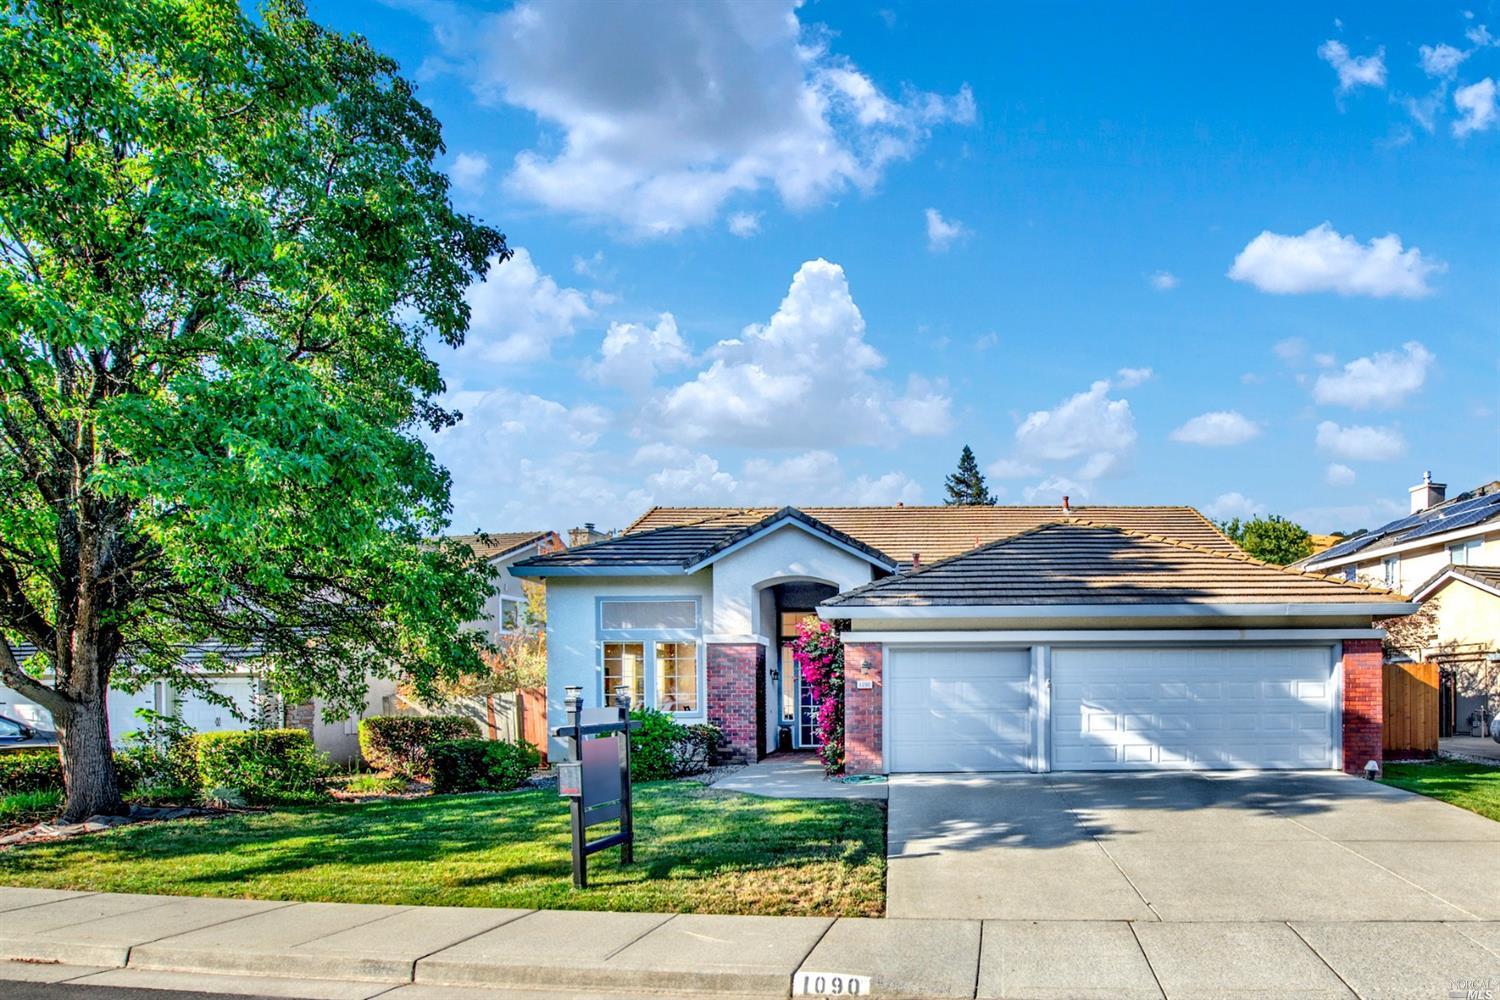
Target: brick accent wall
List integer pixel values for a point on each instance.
(301, 716)
(863, 723)
(736, 692)
(1364, 703)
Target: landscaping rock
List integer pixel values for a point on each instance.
(95, 824)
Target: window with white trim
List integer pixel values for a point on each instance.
(1390, 568)
(510, 613)
(677, 676)
(653, 646)
(624, 664)
(1464, 553)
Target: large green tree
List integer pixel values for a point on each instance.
(224, 254)
(1271, 539)
(966, 486)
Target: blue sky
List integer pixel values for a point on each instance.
(1130, 253)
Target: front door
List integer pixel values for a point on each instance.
(799, 709)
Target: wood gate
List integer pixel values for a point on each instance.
(1411, 710)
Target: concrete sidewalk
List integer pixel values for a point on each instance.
(343, 951)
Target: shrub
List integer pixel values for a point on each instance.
(401, 743)
(30, 771)
(374, 784)
(481, 765)
(652, 756)
(265, 767)
(664, 748)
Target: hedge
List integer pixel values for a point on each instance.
(264, 767)
(481, 765)
(401, 743)
(30, 771)
(664, 748)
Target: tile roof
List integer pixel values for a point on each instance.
(489, 545)
(1479, 506)
(1081, 562)
(1488, 576)
(940, 532)
(686, 545)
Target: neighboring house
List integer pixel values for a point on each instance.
(505, 611)
(1045, 639)
(239, 683)
(1446, 555)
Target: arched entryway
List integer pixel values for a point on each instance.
(788, 714)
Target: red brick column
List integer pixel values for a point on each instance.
(1364, 703)
(863, 723)
(736, 689)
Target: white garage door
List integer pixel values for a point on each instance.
(959, 710)
(1129, 709)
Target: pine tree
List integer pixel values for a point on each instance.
(966, 487)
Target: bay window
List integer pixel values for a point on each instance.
(652, 646)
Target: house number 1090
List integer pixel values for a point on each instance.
(831, 984)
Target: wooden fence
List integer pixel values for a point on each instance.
(1411, 709)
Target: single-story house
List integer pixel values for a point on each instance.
(1446, 554)
(977, 638)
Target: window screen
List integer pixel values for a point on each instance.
(650, 614)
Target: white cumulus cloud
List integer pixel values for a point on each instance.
(1163, 281)
(469, 171)
(1360, 443)
(1218, 429)
(1353, 71)
(517, 312)
(1476, 104)
(1129, 378)
(1088, 426)
(809, 369)
(942, 233)
(1236, 504)
(1441, 60)
(664, 112)
(1322, 260)
(632, 354)
(1381, 381)
(744, 224)
(1338, 474)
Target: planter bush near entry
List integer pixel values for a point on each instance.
(265, 767)
(401, 743)
(664, 748)
(481, 765)
(819, 654)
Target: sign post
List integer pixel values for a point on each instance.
(595, 778)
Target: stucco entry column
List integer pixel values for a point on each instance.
(736, 694)
(1364, 703)
(863, 707)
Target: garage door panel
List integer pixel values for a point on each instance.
(1134, 709)
(959, 710)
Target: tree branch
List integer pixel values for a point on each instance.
(10, 670)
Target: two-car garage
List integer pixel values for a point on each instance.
(1122, 707)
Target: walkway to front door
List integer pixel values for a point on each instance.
(1185, 847)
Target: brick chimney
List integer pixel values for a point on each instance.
(1427, 494)
(1066, 508)
(586, 534)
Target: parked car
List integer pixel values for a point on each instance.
(15, 734)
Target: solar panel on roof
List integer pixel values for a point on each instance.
(1350, 546)
(1437, 527)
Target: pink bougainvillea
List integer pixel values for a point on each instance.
(819, 655)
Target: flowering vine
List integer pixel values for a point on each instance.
(819, 656)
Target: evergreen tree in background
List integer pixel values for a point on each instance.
(966, 487)
(1271, 539)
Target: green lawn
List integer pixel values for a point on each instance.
(1475, 787)
(697, 851)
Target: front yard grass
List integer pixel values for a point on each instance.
(1475, 787)
(697, 851)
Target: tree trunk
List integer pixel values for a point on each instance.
(93, 787)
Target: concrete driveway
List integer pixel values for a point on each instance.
(1264, 846)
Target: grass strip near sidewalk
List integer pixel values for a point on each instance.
(697, 851)
(1475, 787)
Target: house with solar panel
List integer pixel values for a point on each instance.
(1445, 554)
